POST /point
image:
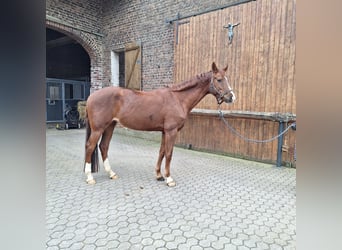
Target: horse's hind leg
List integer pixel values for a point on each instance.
(104, 146)
(90, 147)
(160, 159)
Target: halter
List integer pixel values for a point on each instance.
(221, 94)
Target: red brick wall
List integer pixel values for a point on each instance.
(81, 20)
(124, 21)
(145, 22)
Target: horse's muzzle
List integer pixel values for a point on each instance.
(229, 98)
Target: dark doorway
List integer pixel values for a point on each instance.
(67, 75)
(65, 57)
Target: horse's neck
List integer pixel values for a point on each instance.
(191, 97)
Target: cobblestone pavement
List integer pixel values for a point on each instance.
(219, 202)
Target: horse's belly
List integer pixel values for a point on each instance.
(140, 123)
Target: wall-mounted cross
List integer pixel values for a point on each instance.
(230, 28)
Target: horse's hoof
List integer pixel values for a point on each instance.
(91, 182)
(171, 184)
(113, 177)
(161, 178)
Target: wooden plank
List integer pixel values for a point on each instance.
(272, 64)
(262, 90)
(291, 28)
(271, 116)
(247, 73)
(281, 100)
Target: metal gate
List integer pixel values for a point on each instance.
(62, 95)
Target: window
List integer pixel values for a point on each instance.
(54, 93)
(74, 91)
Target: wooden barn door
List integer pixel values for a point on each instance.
(261, 63)
(133, 66)
(260, 58)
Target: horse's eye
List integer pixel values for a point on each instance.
(219, 80)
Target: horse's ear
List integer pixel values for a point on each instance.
(214, 67)
(225, 68)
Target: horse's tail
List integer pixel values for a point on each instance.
(95, 154)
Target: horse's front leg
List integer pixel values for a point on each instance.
(159, 176)
(170, 139)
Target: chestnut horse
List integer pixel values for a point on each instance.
(164, 110)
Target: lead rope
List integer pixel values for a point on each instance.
(248, 139)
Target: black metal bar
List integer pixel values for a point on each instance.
(179, 17)
(280, 143)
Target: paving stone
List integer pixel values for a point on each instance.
(204, 243)
(159, 243)
(77, 245)
(89, 247)
(262, 245)
(237, 242)
(196, 248)
(124, 245)
(168, 237)
(171, 245)
(135, 239)
(218, 203)
(230, 247)
(113, 244)
(101, 242)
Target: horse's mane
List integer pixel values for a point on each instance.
(189, 83)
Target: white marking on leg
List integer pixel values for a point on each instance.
(106, 165)
(108, 169)
(87, 171)
(87, 168)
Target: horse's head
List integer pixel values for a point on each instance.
(219, 86)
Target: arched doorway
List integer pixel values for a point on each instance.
(67, 74)
(65, 57)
